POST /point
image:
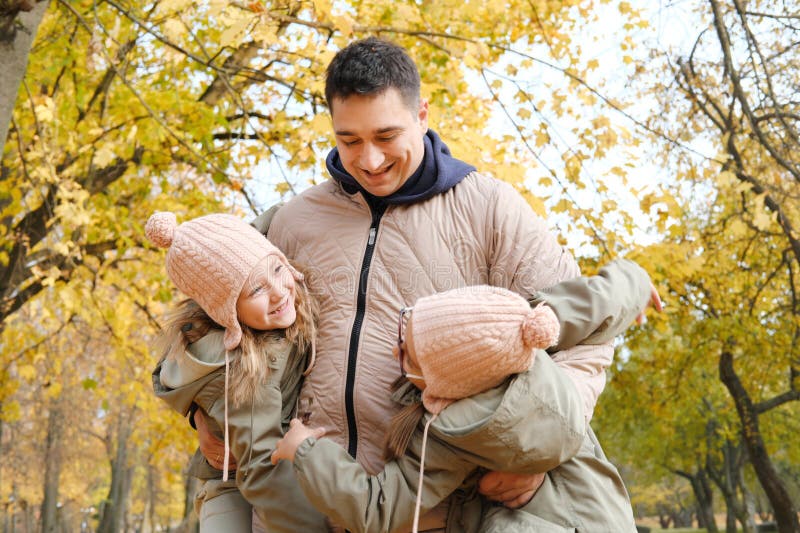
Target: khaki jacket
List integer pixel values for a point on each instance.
(499, 429)
(198, 375)
(479, 232)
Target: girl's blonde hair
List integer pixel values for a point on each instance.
(249, 367)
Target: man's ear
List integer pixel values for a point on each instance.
(422, 115)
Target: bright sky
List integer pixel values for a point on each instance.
(671, 26)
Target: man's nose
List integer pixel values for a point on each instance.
(371, 157)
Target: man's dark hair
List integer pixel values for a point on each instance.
(370, 67)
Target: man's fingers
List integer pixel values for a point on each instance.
(275, 456)
(508, 495)
(520, 501)
(319, 432)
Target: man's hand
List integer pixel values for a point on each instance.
(212, 448)
(655, 301)
(510, 489)
(287, 446)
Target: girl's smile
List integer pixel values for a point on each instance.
(267, 298)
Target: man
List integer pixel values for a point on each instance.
(402, 219)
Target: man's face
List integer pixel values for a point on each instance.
(379, 139)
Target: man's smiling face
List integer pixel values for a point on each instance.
(380, 140)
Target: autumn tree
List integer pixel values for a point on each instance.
(733, 90)
(127, 108)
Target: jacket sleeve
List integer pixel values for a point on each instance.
(516, 426)
(592, 311)
(532, 423)
(263, 221)
(595, 309)
(254, 428)
(339, 487)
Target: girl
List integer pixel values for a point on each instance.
(481, 345)
(252, 319)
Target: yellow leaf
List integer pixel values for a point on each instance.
(726, 179)
(27, 372)
(232, 36)
(103, 157)
(45, 112)
(343, 23)
(173, 29)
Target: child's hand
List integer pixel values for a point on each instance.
(287, 446)
(655, 302)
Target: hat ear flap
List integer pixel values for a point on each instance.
(233, 336)
(434, 404)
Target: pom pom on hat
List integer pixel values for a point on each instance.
(541, 329)
(160, 228)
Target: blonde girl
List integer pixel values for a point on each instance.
(250, 314)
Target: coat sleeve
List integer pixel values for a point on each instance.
(595, 309)
(254, 428)
(339, 487)
(263, 221)
(532, 423)
(517, 426)
(592, 311)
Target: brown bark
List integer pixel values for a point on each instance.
(19, 20)
(112, 512)
(52, 471)
(704, 497)
(785, 511)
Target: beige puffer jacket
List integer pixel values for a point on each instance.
(364, 268)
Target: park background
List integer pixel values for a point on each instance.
(664, 131)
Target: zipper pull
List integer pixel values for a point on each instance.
(372, 233)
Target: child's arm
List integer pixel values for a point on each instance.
(591, 311)
(595, 309)
(481, 431)
(340, 487)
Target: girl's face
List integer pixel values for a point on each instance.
(267, 298)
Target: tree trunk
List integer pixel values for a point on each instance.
(190, 523)
(112, 510)
(729, 480)
(704, 497)
(782, 505)
(52, 471)
(19, 21)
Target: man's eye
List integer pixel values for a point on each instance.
(278, 268)
(386, 139)
(350, 143)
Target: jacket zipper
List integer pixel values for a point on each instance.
(355, 334)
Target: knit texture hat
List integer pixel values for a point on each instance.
(470, 339)
(209, 259)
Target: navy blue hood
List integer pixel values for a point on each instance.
(438, 173)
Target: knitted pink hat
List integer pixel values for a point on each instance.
(470, 339)
(209, 260)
